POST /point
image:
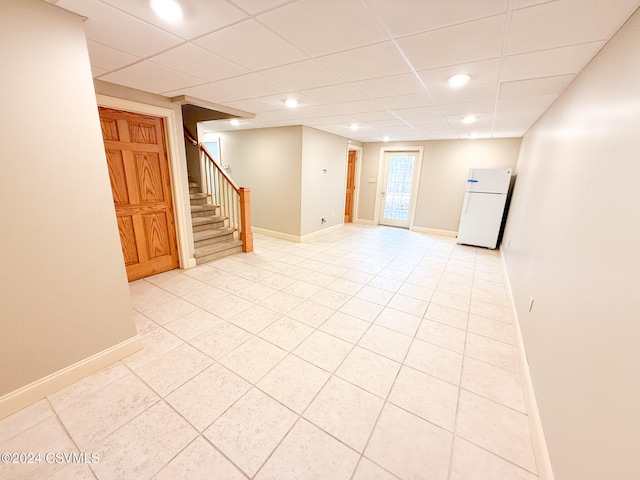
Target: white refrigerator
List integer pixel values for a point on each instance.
(483, 208)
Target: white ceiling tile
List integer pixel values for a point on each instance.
(252, 85)
(359, 106)
(197, 61)
(240, 43)
(406, 101)
(525, 103)
(373, 116)
(418, 112)
(565, 22)
(472, 93)
(257, 6)
(372, 61)
(483, 72)
(548, 63)
(108, 58)
(404, 18)
(151, 77)
(342, 120)
(211, 92)
(293, 115)
(199, 16)
(97, 71)
(303, 75)
(112, 27)
(471, 108)
(253, 105)
(535, 86)
(322, 27)
(403, 84)
(518, 4)
(468, 42)
(335, 93)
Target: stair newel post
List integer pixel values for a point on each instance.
(245, 219)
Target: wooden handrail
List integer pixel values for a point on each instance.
(202, 148)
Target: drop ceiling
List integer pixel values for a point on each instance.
(381, 65)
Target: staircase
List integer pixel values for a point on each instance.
(212, 237)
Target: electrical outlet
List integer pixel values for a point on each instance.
(531, 304)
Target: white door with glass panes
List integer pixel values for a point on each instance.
(397, 188)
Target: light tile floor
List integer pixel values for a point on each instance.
(370, 353)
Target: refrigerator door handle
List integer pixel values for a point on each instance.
(464, 206)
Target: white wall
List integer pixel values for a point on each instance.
(322, 195)
(268, 161)
(445, 167)
(63, 287)
(572, 242)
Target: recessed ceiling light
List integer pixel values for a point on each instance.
(473, 136)
(235, 122)
(459, 80)
(354, 127)
(168, 10)
(386, 139)
(469, 119)
(291, 102)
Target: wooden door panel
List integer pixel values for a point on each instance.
(351, 176)
(149, 177)
(141, 187)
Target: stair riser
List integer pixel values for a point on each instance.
(211, 241)
(208, 226)
(198, 201)
(217, 255)
(204, 213)
(194, 190)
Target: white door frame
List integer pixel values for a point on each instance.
(177, 171)
(356, 180)
(415, 184)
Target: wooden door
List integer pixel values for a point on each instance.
(351, 186)
(140, 183)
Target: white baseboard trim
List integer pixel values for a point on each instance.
(296, 238)
(363, 222)
(434, 231)
(35, 391)
(190, 263)
(540, 449)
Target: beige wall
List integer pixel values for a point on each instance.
(572, 243)
(323, 195)
(445, 167)
(63, 288)
(268, 162)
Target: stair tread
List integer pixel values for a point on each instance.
(212, 233)
(216, 247)
(196, 221)
(195, 195)
(202, 208)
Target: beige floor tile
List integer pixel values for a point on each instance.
(220, 340)
(143, 446)
(143, 323)
(294, 382)
(494, 427)
(308, 452)
(385, 283)
(255, 318)
(256, 292)
(170, 311)
(409, 447)
(474, 463)
(281, 302)
(286, 333)
(253, 359)
(228, 307)
(205, 397)
(434, 360)
(498, 384)
(250, 430)
(362, 309)
(367, 470)
(398, 321)
(454, 288)
(204, 296)
(442, 335)
(388, 343)
(491, 310)
(345, 411)
(193, 324)
(24, 419)
(375, 295)
(451, 300)
(448, 316)
(323, 350)
(491, 351)
(409, 305)
(302, 289)
(154, 344)
(311, 313)
(91, 419)
(494, 329)
(426, 396)
(370, 371)
(330, 298)
(345, 327)
(416, 291)
(175, 367)
(498, 298)
(359, 277)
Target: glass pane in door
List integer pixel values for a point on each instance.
(397, 194)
